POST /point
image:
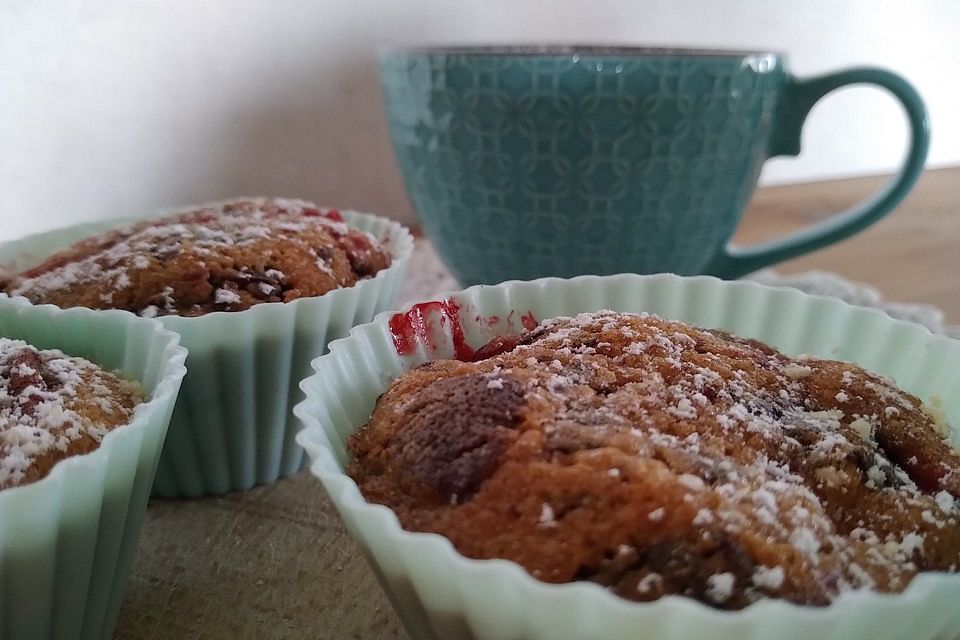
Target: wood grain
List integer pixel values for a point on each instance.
(276, 562)
(912, 255)
(272, 563)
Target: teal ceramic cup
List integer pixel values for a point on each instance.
(525, 162)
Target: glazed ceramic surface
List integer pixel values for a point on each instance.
(528, 162)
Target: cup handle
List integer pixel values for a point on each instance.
(799, 96)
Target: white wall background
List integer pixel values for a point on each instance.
(111, 106)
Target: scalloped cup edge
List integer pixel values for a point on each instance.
(164, 395)
(400, 243)
(347, 494)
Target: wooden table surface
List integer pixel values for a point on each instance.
(276, 562)
(912, 255)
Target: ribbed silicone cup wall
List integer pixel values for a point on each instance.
(441, 594)
(233, 428)
(67, 541)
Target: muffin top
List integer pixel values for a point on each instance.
(225, 256)
(53, 406)
(656, 458)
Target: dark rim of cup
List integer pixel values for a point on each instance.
(574, 50)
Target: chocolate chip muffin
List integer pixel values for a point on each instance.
(52, 407)
(656, 458)
(226, 256)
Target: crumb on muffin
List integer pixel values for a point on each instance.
(226, 256)
(655, 458)
(54, 406)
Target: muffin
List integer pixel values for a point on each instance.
(256, 288)
(219, 257)
(85, 400)
(52, 407)
(501, 472)
(654, 458)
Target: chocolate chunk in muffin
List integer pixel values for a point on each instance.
(656, 458)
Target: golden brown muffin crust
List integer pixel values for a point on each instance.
(53, 407)
(656, 458)
(220, 257)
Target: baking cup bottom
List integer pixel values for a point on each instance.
(67, 541)
(232, 428)
(441, 594)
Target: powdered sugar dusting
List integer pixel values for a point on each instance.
(720, 587)
(226, 296)
(547, 518)
(768, 577)
(649, 582)
(649, 392)
(43, 407)
(198, 246)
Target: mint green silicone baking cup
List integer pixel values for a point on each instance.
(232, 428)
(67, 541)
(440, 594)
